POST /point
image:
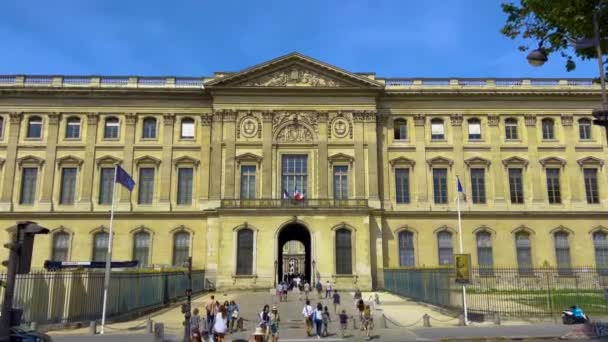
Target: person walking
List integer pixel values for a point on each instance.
(343, 322)
(319, 288)
(318, 319)
(264, 320)
(195, 326)
(220, 325)
(274, 324)
(307, 312)
(326, 320)
(280, 291)
(368, 321)
(361, 309)
(210, 307)
(336, 298)
(328, 289)
(306, 289)
(233, 314)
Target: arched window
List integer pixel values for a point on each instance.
(111, 128)
(484, 253)
(344, 256)
(244, 252)
(61, 246)
(181, 248)
(149, 128)
(584, 129)
(524, 253)
(437, 129)
(562, 253)
(445, 247)
(548, 129)
(187, 128)
(600, 244)
(511, 129)
(406, 249)
(34, 127)
(72, 128)
(141, 248)
(474, 129)
(100, 246)
(400, 126)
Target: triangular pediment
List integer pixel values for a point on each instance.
(294, 71)
(590, 161)
(477, 161)
(248, 157)
(515, 160)
(402, 161)
(552, 161)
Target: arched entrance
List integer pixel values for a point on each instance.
(294, 232)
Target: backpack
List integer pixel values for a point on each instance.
(319, 287)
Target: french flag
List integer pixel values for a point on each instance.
(285, 194)
(297, 195)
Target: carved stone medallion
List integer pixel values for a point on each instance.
(249, 127)
(293, 77)
(341, 127)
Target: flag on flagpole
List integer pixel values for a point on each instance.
(285, 194)
(459, 185)
(297, 195)
(123, 178)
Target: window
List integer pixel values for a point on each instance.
(516, 186)
(584, 129)
(294, 173)
(141, 248)
(524, 253)
(146, 185)
(511, 129)
(34, 127)
(100, 246)
(591, 189)
(1, 127)
(440, 185)
(484, 253)
(248, 181)
(244, 256)
(181, 248)
(478, 185)
(446, 250)
(402, 185)
(187, 129)
(184, 185)
(28, 185)
(72, 128)
(600, 244)
(562, 253)
(106, 185)
(553, 190)
(149, 128)
(341, 182)
(68, 185)
(344, 257)
(406, 249)
(548, 129)
(61, 245)
(400, 129)
(474, 129)
(437, 129)
(110, 129)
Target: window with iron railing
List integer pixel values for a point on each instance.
(524, 253)
(294, 173)
(562, 253)
(485, 258)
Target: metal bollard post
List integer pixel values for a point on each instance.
(426, 321)
(93, 327)
(461, 321)
(149, 326)
(33, 326)
(159, 332)
(496, 318)
(354, 322)
(384, 321)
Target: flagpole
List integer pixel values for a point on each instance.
(106, 281)
(464, 289)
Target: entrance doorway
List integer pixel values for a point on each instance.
(294, 237)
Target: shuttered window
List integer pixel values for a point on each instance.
(344, 256)
(244, 258)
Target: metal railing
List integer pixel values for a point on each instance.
(73, 296)
(484, 83)
(292, 203)
(507, 291)
(42, 81)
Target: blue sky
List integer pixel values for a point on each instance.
(401, 38)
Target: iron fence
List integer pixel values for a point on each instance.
(72, 296)
(507, 291)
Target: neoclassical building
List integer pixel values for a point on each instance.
(218, 162)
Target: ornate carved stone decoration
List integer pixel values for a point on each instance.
(294, 76)
(229, 115)
(53, 118)
(493, 120)
(267, 116)
(168, 118)
(567, 120)
(217, 116)
(309, 119)
(206, 119)
(249, 127)
(295, 132)
(419, 120)
(359, 116)
(341, 126)
(530, 120)
(15, 117)
(456, 119)
(92, 118)
(130, 118)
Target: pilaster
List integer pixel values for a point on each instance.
(420, 171)
(359, 118)
(534, 168)
(203, 169)
(125, 204)
(573, 171)
(322, 155)
(6, 202)
(166, 166)
(459, 170)
(372, 159)
(215, 171)
(88, 168)
(267, 155)
(229, 141)
(46, 198)
(498, 173)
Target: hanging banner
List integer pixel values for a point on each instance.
(462, 263)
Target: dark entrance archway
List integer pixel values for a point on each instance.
(298, 232)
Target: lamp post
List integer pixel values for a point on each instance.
(313, 272)
(276, 274)
(538, 57)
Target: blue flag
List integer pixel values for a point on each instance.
(122, 177)
(458, 185)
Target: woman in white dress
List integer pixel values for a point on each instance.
(220, 326)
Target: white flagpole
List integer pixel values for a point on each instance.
(464, 289)
(106, 281)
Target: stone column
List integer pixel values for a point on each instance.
(575, 176)
(534, 168)
(230, 143)
(267, 155)
(166, 165)
(497, 170)
(6, 203)
(322, 161)
(215, 171)
(124, 204)
(420, 170)
(88, 168)
(372, 159)
(46, 198)
(358, 119)
(203, 169)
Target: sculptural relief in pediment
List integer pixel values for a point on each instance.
(294, 76)
(294, 133)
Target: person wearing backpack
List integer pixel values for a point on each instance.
(318, 319)
(307, 312)
(319, 288)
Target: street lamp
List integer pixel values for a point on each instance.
(313, 272)
(537, 57)
(276, 274)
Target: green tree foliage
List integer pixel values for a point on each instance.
(553, 24)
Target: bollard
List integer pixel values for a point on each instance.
(93, 327)
(149, 326)
(159, 332)
(354, 323)
(426, 321)
(33, 326)
(384, 324)
(461, 321)
(496, 318)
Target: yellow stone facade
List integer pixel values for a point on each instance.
(295, 105)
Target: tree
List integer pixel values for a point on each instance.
(554, 25)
